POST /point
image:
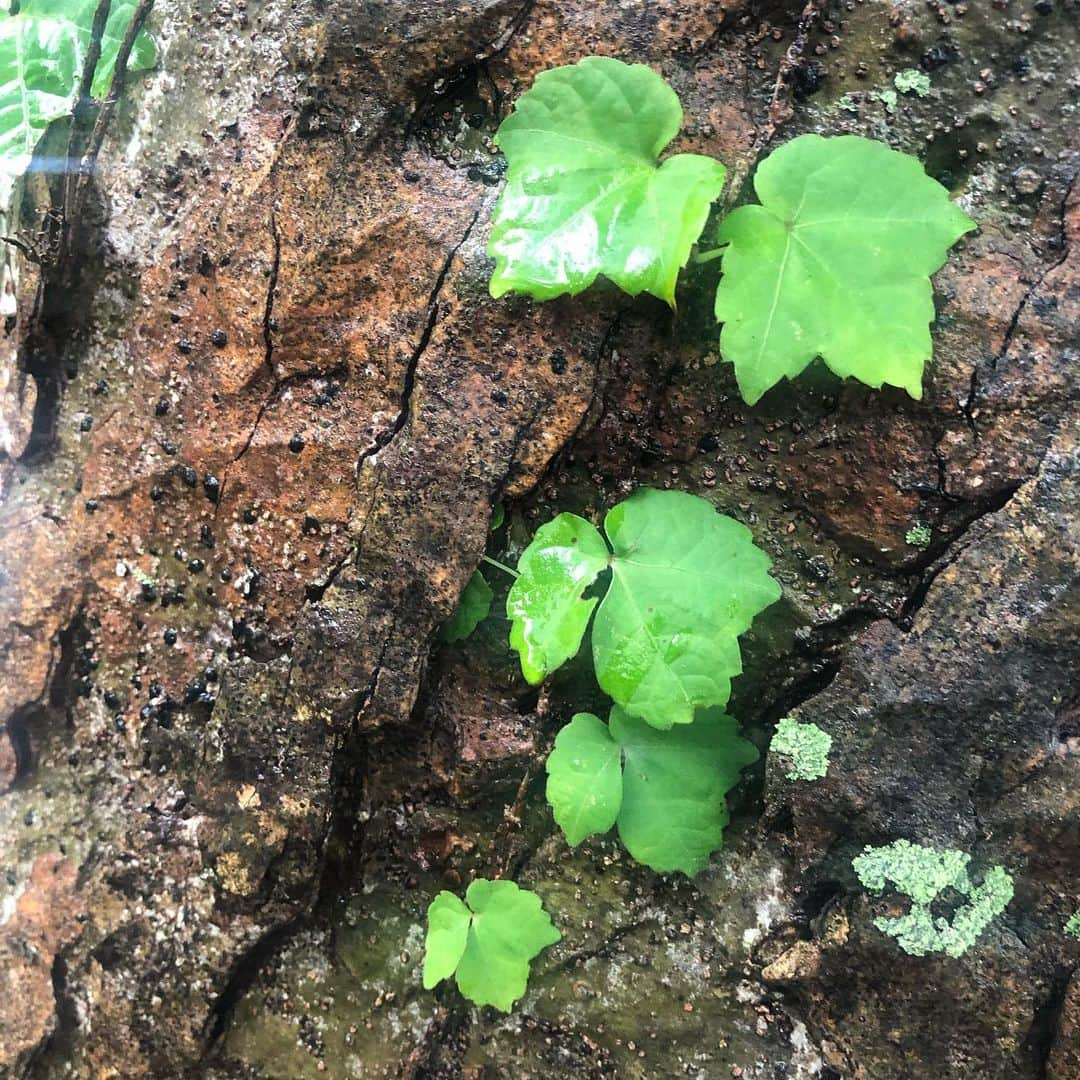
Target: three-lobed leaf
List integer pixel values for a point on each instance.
(488, 942)
(685, 583)
(835, 262)
(665, 790)
(473, 608)
(584, 195)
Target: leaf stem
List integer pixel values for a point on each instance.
(499, 566)
(708, 256)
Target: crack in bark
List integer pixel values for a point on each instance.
(954, 549)
(385, 437)
(968, 407)
(271, 292)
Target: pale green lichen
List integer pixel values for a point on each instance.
(847, 103)
(923, 874)
(888, 98)
(1073, 925)
(919, 535)
(807, 747)
(912, 81)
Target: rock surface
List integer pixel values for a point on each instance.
(237, 762)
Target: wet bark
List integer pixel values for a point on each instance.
(251, 450)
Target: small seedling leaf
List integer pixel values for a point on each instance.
(473, 608)
(685, 583)
(488, 942)
(665, 790)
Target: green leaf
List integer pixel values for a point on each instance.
(585, 785)
(448, 932)
(473, 608)
(836, 263)
(668, 796)
(81, 14)
(545, 603)
(584, 195)
(685, 583)
(487, 945)
(40, 61)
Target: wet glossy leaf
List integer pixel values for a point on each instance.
(836, 263)
(545, 602)
(81, 14)
(488, 942)
(40, 60)
(665, 790)
(473, 608)
(685, 583)
(584, 195)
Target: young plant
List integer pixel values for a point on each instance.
(488, 942)
(835, 261)
(663, 790)
(923, 874)
(684, 583)
(473, 608)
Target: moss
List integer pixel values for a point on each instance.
(919, 535)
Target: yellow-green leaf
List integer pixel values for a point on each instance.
(584, 194)
(836, 263)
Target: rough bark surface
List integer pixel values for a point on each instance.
(250, 456)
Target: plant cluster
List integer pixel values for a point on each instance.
(834, 261)
(43, 50)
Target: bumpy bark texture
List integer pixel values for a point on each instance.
(250, 454)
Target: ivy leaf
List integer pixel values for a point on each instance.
(585, 786)
(665, 790)
(685, 583)
(81, 14)
(447, 936)
(40, 61)
(488, 942)
(836, 263)
(584, 195)
(549, 616)
(473, 608)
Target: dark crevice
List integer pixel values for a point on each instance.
(271, 292)
(384, 438)
(1041, 1035)
(952, 552)
(244, 973)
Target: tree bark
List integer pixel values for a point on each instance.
(252, 447)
